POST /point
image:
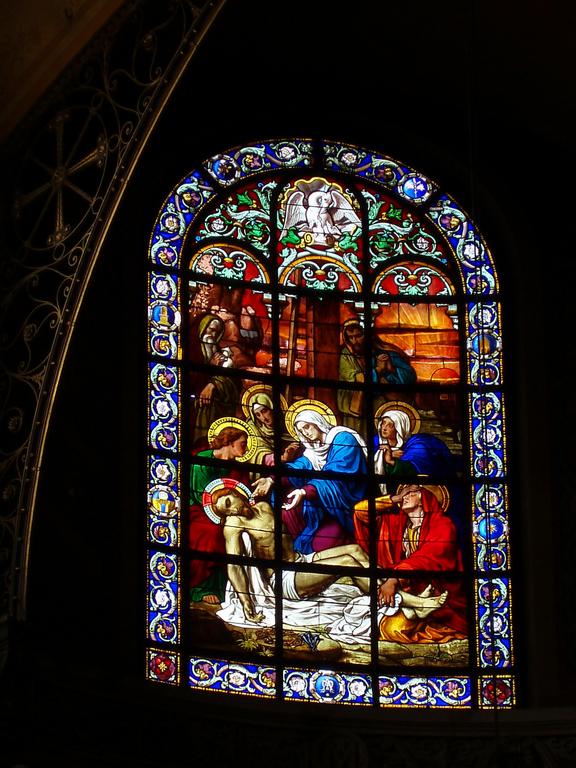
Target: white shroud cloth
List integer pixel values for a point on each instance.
(342, 609)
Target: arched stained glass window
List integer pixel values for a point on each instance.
(327, 482)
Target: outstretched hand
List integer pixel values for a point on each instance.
(262, 487)
(294, 498)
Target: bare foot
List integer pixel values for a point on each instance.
(211, 599)
(426, 592)
(430, 604)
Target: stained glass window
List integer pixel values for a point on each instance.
(327, 493)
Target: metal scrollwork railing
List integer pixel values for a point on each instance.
(75, 153)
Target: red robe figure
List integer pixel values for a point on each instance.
(416, 534)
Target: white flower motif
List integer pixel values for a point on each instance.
(162, 408)
(297, 684)
(217, 225)
(286, 153)
(163, 287)
(171, 223)
(236, 678)
(358, 687)
(497, 624)
(349, 158)
(162, 598)
(491, 436)
(419, 692)
(471, 250)
(162, 471)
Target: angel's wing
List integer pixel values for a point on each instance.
(343, 215)
(295, 213)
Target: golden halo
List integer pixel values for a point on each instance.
(231, 421)
(399, 405)
(256, 389)
(353, 321)
(442, 495)
(440, 491)
(307, 405)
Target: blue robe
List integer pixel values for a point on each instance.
(336, 497)
(403, 372)
(425, 454)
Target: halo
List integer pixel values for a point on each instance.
(352, 321)
(215, 485)
(442, 495)
(400, 405)
(257, 389)
(440, 491)
(231, 421)
(307, 405)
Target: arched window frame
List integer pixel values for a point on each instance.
(489, 682)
